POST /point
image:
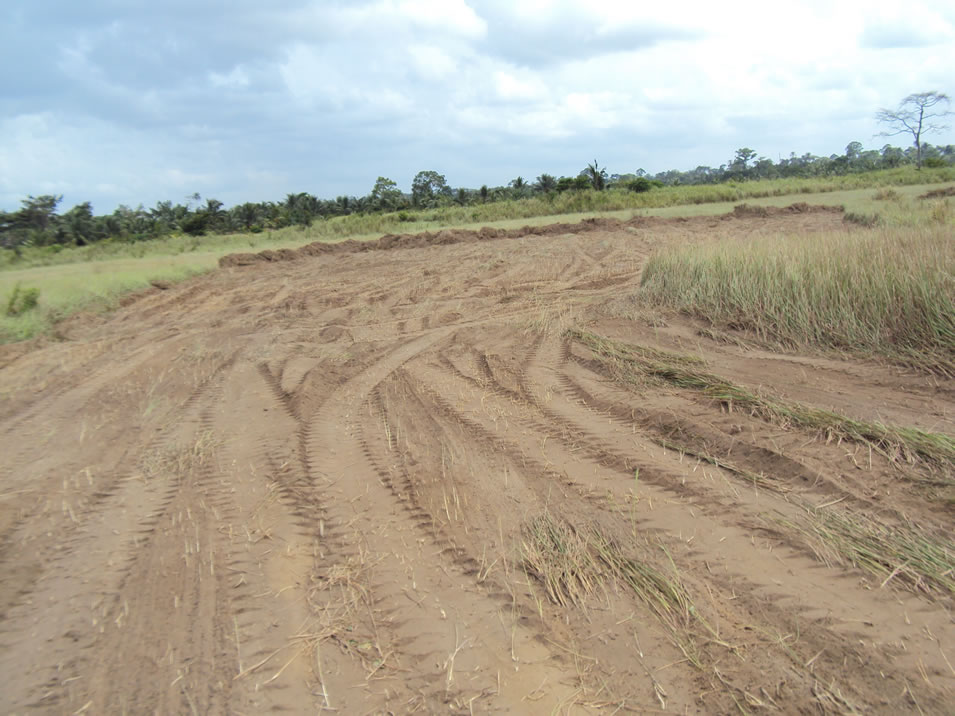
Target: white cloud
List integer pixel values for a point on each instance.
(444, 15)
(270, 100)
(527, 87)
(432, 63)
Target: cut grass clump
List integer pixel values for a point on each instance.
(665, 596)
(629, 364)
(573, 565)
(904, 554)
(886, 292)
(561, 558)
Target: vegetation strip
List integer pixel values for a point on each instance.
(486, 233)
(38, 225)
(895, 443)
(902, 554)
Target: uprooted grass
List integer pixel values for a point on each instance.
(902, 554)
(574, 565)
(887, 291)
(758, 479)
(635, 365)
(179, 461)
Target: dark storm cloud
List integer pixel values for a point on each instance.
(570, 38)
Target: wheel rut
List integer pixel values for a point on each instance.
(427, 611)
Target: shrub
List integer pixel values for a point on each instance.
(887, 194)
(22, 300)
(941, 212)
(196, 224)
(866, 220)
(640, 185)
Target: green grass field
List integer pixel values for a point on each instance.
(94, 277)
(92, 286)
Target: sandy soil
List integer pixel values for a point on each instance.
(335, 479)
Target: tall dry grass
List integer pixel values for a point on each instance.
(887, 291)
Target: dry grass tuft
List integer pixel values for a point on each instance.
(562, 559)
(180, 461)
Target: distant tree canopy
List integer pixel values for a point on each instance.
(427, 188)
(385, 195)
(38, 223)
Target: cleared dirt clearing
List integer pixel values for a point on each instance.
(386, 477)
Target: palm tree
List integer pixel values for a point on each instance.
(545, 183)
(596, 175)
(246, 215)
(519, 186)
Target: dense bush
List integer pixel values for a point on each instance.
(196, 224)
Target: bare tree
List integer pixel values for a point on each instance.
(914, 116)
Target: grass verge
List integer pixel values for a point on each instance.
(886, 292)
(637, 365)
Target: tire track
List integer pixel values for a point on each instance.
(419, 611)
(40, 533)
(111, 534)
(171, 612)
(761, 602)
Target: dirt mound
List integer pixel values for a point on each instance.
(401, 484)
(458, 236)
(939, 193)
(742, 211)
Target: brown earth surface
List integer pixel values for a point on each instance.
(373, 481)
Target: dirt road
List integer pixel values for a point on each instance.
(389, 480)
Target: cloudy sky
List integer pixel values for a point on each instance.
(121, 101)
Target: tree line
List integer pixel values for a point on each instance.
(38, 223)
